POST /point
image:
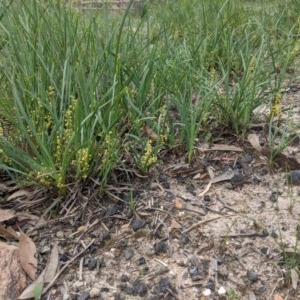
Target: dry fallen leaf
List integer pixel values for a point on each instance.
(151, 133)
(6, 215)
(220, 147)
(52, 264)
(27, 252)
(174, 225)
(19, 194)
(34, 290)
(8, 232)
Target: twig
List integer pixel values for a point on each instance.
(198, 224)
(50, 284)
(80, 269)
(206, 189)
(161, 222)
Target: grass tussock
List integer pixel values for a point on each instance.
(84, 93)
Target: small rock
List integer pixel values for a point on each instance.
(138, 224)
(207, 199)
(104, 236)
(264, 233)
(221, 291)
(93, 248)
(237, 180)
(273, 197)
(92, 264)
(63, 257)
(140, 261)
(117, 297)
(78, 284)
(59, 234)
(166, 184)
(164, 286)
(252, 276)
(124, 278)
(114, 209)
(139, 288)
(294, 177)
(261, 289)
(206, 292)
(184, 239)
(194, 272)
(160, 247)
(123, 243)
(274, 234)
(169, 196)
(45, 249)
(123, 286)
(211, 285)
(84, 296)
(129, 290)
(265, 250)
(94, 292)
(129, 254)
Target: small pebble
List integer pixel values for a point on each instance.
(123, 243)
(206, 292)
(93, 248)
(184, 239)
(265, 250)
(207, 199)
(264, 233)
(94, 292)
(140, 261)
(160, 247)
(166, 184)
(170, 196)
(252, 276)
(261, 289)
(59, 234)
(138, 224)
(84, 296)
(114, 209)
(129, 254)
(194, 272)
(221, 291)
(274, 234)
(211, 285)
(124, 278)
(92, 264)
(103, 236)
(63, 257)
(273, 197)
(163, 286)
(139, 288)
(294, 177)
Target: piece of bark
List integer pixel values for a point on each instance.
(12, 276)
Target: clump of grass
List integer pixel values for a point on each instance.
(81, 88)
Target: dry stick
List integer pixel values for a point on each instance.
(199, 223)
(50, 284)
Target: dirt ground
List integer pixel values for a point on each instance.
(177, 234)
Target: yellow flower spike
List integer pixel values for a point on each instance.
(276, 107)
